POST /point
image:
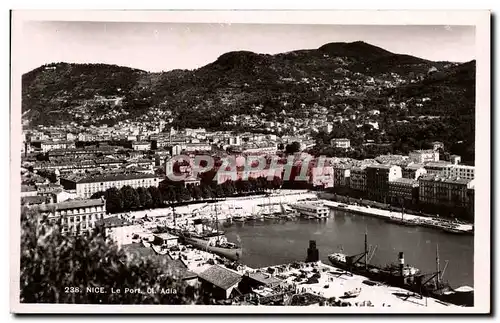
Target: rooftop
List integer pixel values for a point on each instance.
(28, 188)
(452, 180)
(440, 163)
(414, 166)
(74, 204)
(265, 279)
(114, 221)
(110, 177)
(380, 166)
(221, 277)
(33, 199)
(407, 181)
(423, 151)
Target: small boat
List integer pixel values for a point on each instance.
(270, 217)
(146, 243)
(238, 218)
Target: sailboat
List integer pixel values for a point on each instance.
(402, 220)
(213, 241)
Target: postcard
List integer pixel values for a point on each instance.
(250, 162)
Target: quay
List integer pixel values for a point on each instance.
(420, 220)
(299, 283)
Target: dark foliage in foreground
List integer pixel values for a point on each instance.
(58, 269)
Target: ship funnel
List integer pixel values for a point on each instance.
(401, 263)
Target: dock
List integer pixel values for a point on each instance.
(384, 214)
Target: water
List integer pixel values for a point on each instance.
(269, 243)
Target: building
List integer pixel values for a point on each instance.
(27, 190)
(34, 200)
(455, 159)
(378, 178)
(119, 230)
(341, 175)
(233, 141)
(260, 148)
(403, 191)
(451, 192)
(220, 282)
(85, 187)
(46, 146)
(341, 143)
(437, 167)
(357, 178)
(166, 240)
(413, 171)
(141, 145)
(424, 156)
(77, 216)
(48, 189)
(460, 171)
(322, 176)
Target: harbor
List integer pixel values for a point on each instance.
(252, 235)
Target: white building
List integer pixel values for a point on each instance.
(341, 143)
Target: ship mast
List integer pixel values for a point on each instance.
(173, 214)
(217, 223)
(437, 266)
(366, 249)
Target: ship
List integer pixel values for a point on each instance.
(401, 220)
(210, 240)
(214, 242)
(404, 276)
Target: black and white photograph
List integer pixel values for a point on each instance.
(250, 162)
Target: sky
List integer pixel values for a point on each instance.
(158, 47)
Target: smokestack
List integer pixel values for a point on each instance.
(401, 263)
(312, 252)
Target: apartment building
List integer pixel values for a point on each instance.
(378, 178)
(357, 179)
(439, 190)
(77, 216)
(86, 186)
(403, 191)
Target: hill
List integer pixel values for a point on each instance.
(335, 76)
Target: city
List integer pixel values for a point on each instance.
(341, 176)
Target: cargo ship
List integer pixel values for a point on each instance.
(404, 276)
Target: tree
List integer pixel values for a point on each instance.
(292, 148)
(219, 191)
(196, 192)
(228, 188)
(156, 198)
(170, 194)
(51, 263)
(277, 182)
(130, 198)
(145, 198)
(207, 192)
(184, 194)
(114, 200)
